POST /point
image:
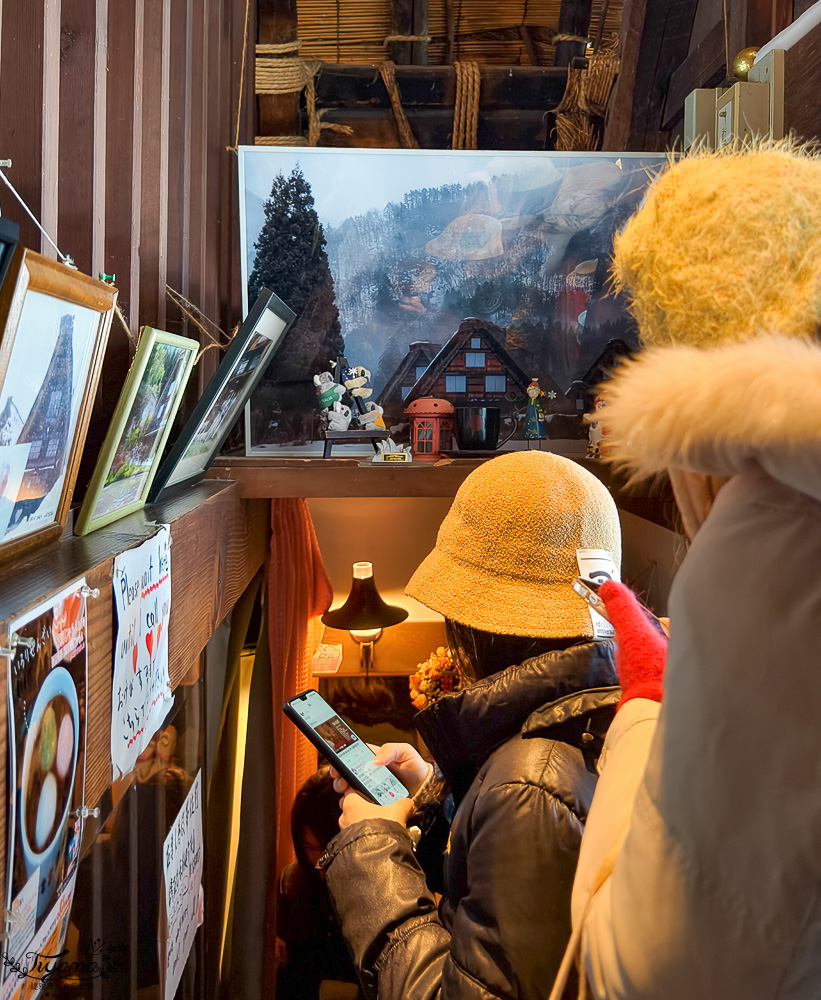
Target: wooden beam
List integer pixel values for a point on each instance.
(502, 87)
(530, 46)
(574, 19)
(667, 28)
(620, 109)
(703, 67)
(508, 128)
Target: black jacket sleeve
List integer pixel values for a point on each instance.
(388, 915)
(508, 930)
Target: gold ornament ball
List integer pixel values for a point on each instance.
(743, 62)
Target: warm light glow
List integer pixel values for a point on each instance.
(366, 634)
(362, 570)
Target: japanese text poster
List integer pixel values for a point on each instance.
(47, 740)
(182, 860)
(142, 599)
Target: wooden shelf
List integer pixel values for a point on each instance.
(332, 478)
(345, 477)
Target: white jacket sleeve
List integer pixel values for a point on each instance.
(621, 766)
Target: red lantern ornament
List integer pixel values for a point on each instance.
(431, 428)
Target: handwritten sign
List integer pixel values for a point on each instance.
(182, 860)
(140, 687)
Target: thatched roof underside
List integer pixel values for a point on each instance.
(486, 30)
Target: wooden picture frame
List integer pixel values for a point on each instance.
(133, 446)
(55, 324)
(221, 405)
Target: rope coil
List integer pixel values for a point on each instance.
(280, 49)
(466, 104)
(282, 76)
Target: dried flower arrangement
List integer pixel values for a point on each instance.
(437, 676)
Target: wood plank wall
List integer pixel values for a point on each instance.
(116, 116)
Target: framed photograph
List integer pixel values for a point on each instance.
(251, 350)
(55, 324)
(139, 428)
(480, 270)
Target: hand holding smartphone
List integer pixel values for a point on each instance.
(587, 590)
(340, 745)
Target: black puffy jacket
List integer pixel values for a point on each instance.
(518, 750)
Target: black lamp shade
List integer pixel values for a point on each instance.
(364, 609)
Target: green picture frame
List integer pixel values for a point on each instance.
(139, 429)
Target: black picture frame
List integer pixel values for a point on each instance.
(9, 238)
(223, 401)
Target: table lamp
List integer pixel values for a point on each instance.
(364, 614)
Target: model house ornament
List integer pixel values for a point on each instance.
(431, 427)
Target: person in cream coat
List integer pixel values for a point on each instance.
(700, 870)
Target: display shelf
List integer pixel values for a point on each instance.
(346, 477)
(312, 478)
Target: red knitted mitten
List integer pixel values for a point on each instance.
(641, 647)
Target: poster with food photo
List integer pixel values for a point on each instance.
(47, 737)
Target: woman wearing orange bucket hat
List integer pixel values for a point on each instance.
(517, 747)
(700, 869)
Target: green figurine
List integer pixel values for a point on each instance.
(535, 424)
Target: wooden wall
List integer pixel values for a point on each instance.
(116, 115)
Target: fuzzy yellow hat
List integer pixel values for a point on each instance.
(726, 246)
(506, 553)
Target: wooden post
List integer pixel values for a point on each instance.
(278, 114)
(419, 50)
(574, 19)
(402, 24)
(450, 27)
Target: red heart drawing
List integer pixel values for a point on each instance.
(134, 659)
(149, 642)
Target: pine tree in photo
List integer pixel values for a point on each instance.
(291, 260)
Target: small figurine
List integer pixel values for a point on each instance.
(357, 380)
(328, 392)
(535, 424)
(372, 417)
(597, 433)
(339, 417)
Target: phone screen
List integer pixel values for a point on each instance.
(343, 743)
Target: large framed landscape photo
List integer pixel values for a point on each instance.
(55, 324)
(384, 254)
(253, 346)
(139, 428)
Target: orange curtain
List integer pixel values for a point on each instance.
(298, 593)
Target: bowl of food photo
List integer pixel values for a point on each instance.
(47, 783)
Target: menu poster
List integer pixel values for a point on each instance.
(47, 740)
(182, 860)
(140, 692)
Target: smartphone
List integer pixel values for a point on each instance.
(342, 748)
(586, 589)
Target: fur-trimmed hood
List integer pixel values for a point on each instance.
(720, 412)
